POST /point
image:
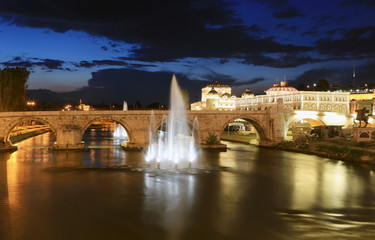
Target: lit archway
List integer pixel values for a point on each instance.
(302, 126)
(160, 128)
(26, 128)
(105, 132)
(243, 129)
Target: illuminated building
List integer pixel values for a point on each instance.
(216, 96)
(360, 100)
(298, 100)
(83, 107)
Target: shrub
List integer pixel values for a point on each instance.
(211, 139)
(334, 148)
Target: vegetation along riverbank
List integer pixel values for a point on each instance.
(338, 149)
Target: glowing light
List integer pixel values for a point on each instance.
(306, 114)
(333, 118)
(67, 108)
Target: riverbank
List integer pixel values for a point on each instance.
(338, 149)
(240, 138)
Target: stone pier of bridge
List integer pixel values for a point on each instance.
(69, 126)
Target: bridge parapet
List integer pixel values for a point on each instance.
(69, 127)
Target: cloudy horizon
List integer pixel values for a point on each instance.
(131, 51)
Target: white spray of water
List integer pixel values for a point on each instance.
(174, 145)
(119, 132)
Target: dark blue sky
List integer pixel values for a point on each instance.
(69, 45)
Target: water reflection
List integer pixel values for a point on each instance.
(99, 137)
(5, 223)
(246, 192)
(170, 198)
(68, 159)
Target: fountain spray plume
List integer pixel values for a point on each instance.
(119, 131)
(178, 145)
(150, 154)
(177, 125)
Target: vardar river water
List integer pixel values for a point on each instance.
(244, 193)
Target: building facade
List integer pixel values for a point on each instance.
(360, 100)
(298, 100)
(216, 96)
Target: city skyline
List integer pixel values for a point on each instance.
(131, 53)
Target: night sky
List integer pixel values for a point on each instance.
(104, 52)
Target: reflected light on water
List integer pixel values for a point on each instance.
(171, 197)
(305, 186)
(244, 193)
(334, 184)
(231, 158)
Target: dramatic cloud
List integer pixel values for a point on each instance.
(117, 85)
(45, 64)
(289, 12)
(355, 42)
(369, 3)
(162, 32)
(213, 76)
(274, 4)
(338, 76)
(110, 62)
(309, 33)
(283, 61)
(143, 41)
(249, 82)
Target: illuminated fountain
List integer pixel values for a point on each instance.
(119, 132)
(173, 144)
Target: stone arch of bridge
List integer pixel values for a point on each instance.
(107, 118)
(311, 121)
(17, 121)
(190, 123)
(255, 122)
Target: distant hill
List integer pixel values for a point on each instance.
(88, 95)
(155, 92)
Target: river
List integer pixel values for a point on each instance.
(244, 193)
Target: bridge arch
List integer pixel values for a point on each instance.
(159, 120)
(16, 122)
(253, 121)
(311, 121)
(107, 118)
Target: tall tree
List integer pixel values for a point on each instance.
(138, 105)
(301, 87)
(13, 89)
(322, 85)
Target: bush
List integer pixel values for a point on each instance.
(357, 153)
(334, 148)
(365, 144)
(211, 139)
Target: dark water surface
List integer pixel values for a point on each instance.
(244, 193)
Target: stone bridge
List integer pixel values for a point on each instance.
(69, 127)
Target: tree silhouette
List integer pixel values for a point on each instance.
(154, 105)
(301, 87)
(138, 105)
(13, 89)
(322, 85)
